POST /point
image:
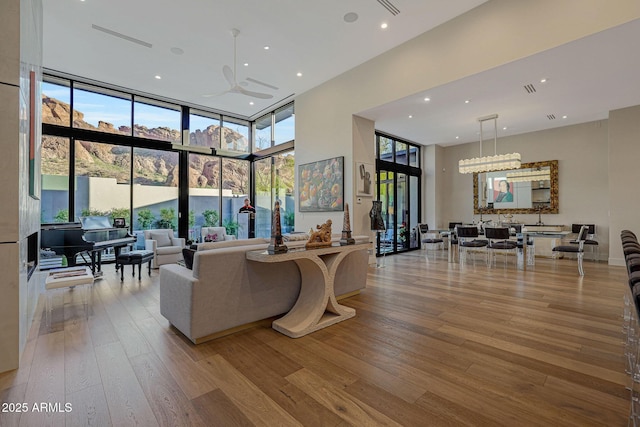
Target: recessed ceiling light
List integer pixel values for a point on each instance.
(467, 101)
(246, 64)
(543, 80)
(564, 117)
(250, 102)
(158, 77)
(457, 137)
(299, 74)
(350, 17)
(410, 116)
(504, 128)
(177, 51)
(427, 99)
(266, 48)
(384, 25)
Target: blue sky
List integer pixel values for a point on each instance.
(117, 111)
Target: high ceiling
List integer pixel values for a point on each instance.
(585, 79)
(188, 43)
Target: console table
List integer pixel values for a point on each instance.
(316, 307)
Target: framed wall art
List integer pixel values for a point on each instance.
(365, 179)
(321, 186)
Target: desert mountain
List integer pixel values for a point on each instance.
(151, 167)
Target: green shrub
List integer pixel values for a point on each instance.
(145, 218)
(211, 218)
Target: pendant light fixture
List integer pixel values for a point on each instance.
(490, 163)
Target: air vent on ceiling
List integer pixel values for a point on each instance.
(530, 88)
(121, 36)
(390, 7)
(551, 116)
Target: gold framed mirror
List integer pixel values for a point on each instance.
(508, 191)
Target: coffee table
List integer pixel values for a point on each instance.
(316, 307)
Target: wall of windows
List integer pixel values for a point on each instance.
(111, 153)
(398, 170)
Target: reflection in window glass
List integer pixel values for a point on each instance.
(414, 156)
(101, 112)
(262, 132)
(285, 129)
(204, 194)
(56, 103)
(204, 131)
(102, 179)
(284, 181)
(54, 199)
(235, 135)
(401, 152)
(155, 191)
(385, 148)
(263, 205)
(156, 122)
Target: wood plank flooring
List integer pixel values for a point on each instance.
(432, 344)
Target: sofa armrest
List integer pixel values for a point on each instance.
(229, 237)
(151, 245)
(176, 296)
(178, 241)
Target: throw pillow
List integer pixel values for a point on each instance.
(211, 237)
(188, 254)
(162, 239)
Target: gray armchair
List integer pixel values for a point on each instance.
(166, 248)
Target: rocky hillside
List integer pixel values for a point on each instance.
(151, 167)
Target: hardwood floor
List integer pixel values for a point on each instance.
(432, 344)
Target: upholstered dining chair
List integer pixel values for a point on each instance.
(590, 241)
(467, 240)
(498, 240)
(577, 248)
(429, 240)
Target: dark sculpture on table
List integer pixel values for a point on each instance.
(276, 246)
(346, 228)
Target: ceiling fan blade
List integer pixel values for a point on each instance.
(211, 95)
(254, 94)
(228, 74)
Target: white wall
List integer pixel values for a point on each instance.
(510, 29)
(20, 53)
(624, 177)
(583, 175)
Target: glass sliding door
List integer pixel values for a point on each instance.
(399, 191)
(403, 230)
(387, 197)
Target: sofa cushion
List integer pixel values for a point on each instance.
(169, 250)
(295, 237)
(162, 239)
(231, 243)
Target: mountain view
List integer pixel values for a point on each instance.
(151, 167)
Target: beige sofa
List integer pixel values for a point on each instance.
(225, 292)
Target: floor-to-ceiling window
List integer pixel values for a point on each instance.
(274, 169)
(159, 164)
(398, 171)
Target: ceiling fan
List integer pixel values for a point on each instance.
(230, 76)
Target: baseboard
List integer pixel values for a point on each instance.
(264, 322)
